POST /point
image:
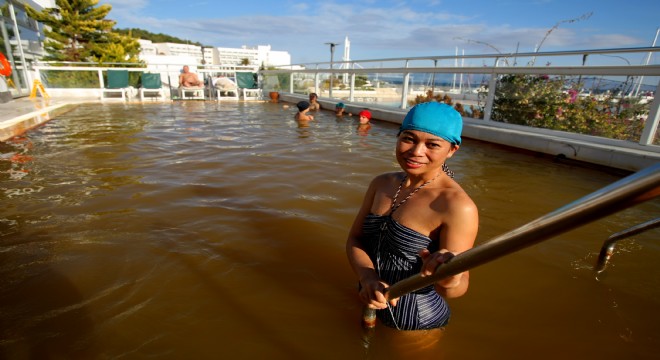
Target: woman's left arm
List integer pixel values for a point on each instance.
(458, 233)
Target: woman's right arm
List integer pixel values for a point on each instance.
(371, 289)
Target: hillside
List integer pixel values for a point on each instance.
(156, 38)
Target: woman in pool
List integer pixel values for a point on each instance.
(414, 220)
(364, 122)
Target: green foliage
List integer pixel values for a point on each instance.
(78, 31)
(84, 79)
(527, 100)
(474, 111)
(276, 82)
(70, 79)
(284, 81)
(551, 103)
(361, 80)
(544, 102)
(156, 38)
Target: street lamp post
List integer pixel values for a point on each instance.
(332, 55)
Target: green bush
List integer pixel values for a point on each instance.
(70, 79)
(474, 112)
(551, 103)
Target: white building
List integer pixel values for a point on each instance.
(170, 49)
(42, 3)
(235, 56)
(261, 55)
(180, 50)
(210, 56)
(277, 58)
(147, 48)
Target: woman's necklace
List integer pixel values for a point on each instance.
(396, 195)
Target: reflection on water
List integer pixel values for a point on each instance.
(205, 230)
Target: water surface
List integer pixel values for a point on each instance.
(204, 230)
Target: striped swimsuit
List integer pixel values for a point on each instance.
(393, 248)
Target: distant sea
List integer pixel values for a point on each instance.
(595, 84)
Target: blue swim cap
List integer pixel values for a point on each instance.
(340, 105)
(435, 118)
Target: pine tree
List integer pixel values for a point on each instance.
(77, 30)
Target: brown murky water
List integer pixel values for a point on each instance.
(202, 231)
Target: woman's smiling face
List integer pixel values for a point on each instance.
(419, 152)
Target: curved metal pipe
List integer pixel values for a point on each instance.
(607, 250)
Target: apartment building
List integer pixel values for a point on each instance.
(261, 55)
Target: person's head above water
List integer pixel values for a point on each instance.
(435, 118)
(302, 105)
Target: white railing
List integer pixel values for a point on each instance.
(602, 66)
(395, 83)
(92, 85)
(169, 72)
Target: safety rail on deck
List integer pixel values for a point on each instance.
(167, 71)
(534, 57)
(643, 80)
(409, 77)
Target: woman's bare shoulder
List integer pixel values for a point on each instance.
(388, 177)
(459, 202)
(452, 196)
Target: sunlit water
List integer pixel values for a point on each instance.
(199, 230)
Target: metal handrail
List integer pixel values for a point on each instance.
(607, 250)
(614, 70)
(488, 56)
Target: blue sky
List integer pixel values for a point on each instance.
(387, 29)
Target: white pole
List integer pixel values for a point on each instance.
(648, 60)
(460, 84)
(19, 42)
(347, 56)
(652, 121)
(453, 83)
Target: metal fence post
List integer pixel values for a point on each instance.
(405, 88)
(651, 125)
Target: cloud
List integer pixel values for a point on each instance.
(376, 29)
(300, 7)
(126, 6)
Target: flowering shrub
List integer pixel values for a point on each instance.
(553, 103)
(474, 111)
(541, 101)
